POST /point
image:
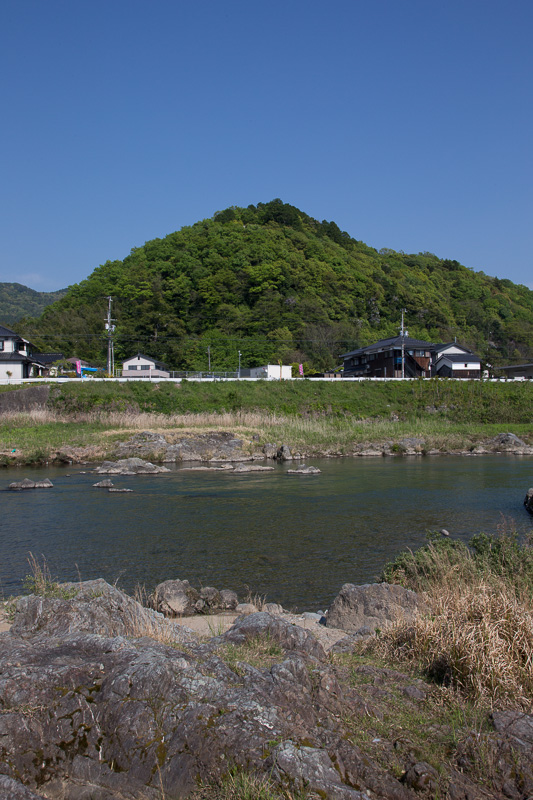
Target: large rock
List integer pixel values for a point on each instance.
(215, 446)
(264, 625)
(175, 598)
(130, 466)
(92, 607)
(528, 501)
(372, 606)
(26, 483)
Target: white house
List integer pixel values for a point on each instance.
(141, 366)
(455, 361)
(271, 372)
(16, 359)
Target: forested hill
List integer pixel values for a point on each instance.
(17, 301)
(274, 283)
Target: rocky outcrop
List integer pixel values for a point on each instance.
(102, 698)
(304, 470)
(503, 443)
(130, 466)
(362, 609)
(528, 501)
(215, 446)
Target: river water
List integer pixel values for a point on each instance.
(294, 539)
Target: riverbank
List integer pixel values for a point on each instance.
(434, 701)
(84, 422)
(43, 436)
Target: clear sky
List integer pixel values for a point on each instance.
(407, 122)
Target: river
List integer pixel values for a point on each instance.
(293, 539)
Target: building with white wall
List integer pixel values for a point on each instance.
(141, 366)
(16, 358)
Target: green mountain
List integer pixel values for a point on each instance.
(17, 301)
(274, 283)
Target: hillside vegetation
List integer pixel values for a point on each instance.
(18, 301)
(276, 284)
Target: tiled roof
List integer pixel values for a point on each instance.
(393, 341)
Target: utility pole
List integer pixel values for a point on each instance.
(209, 358)
(110, 344)
(403, 334)
(239, 363)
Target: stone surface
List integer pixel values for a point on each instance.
(102, 699)
(215, 446)
(284, 453)
(176, 598)
(107, 483)
(26, 483)
(252, 468)
(18, 486)
(270, 450)
(130, 466)
(372, 606)
(304, 470)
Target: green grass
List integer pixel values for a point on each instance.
(453, 400)
(315, 418)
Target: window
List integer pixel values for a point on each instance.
(145, 366)
(1, 344)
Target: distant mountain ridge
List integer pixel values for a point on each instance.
(18, 301)
(272, 284)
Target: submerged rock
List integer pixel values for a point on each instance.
(304, 470)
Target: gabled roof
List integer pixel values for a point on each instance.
(458, 357)
(159, 364)
(11, 334)
(392, 342)
(48, 358)
(437, 348)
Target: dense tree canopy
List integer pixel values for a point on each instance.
(274, 283)
(17, 301)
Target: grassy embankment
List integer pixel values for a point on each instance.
(316, 417)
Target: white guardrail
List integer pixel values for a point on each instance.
(213, 379)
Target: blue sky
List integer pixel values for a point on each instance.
(408, 123)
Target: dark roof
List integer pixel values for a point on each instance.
(456, 357)
(392, 342)
(48, 358)
(18, 358)
(517, 366)
(7, 332)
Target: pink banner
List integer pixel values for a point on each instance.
(301, 369)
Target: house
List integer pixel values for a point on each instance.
(383, 359)
(455, 361)
(16, 357)
(141, 366)
(48, 362)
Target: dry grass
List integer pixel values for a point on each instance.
(479, 641)
(478, 637)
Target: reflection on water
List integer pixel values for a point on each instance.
(295, 539)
